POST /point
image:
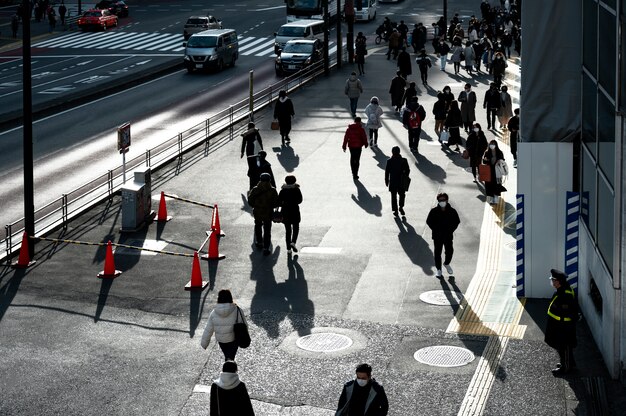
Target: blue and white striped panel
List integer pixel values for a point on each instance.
(520, 246)
(571, 238)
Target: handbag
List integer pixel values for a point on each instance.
(275, 125)
(405, 182)
(241, 331)
(444, 136)
(465, 154)
(277, 216)
(484, 173)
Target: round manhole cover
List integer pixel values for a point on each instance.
(324, 342)
(441, 297)
(444, 356)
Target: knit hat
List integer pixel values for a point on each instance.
(265, 177)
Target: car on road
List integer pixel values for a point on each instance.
(196, 24)
(297, 55)
(211, 49)
(116, 7)
(97, 19)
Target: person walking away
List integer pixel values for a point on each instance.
(414, 35)
(422, 37)
(507, 42)
(469, 57)
(229, 395)
(263, 198)
(443, 220)
(289, 199)
(440, 112)
(394, 44)
(491, 157)
(52, 19)
(363, 396)
(498, 67)
(513, 127)
(467, 98)
(284, 112)
(396, 169)
(404, 30)
(453, 123)
(409, 93)
(423, 62)
(561, 324)
(396, 90)
(476, 146)
(506, 111)
(220, 322)
(251, 145)
(360, 50)
(404, 63)
(374, 112)
(15, 25)
(412, 118)
(62, 13)
(355, 139)
(263, 166)
(353, 90)
(443, 51)
(457, 50)
(492, 104)
(478, 53)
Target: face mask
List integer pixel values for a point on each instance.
(492, 146)
(443, 204)
(361, 382)
(476, 129)
(446, 91)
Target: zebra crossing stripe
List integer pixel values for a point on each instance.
(119, 40)
(147, 41)
(169, 44)
(87, 41)
(572, 215)
(520, 246)
(56, 40)
(250, 44)
(258, 48)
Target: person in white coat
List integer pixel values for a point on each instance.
(221, 322)
(470, 57)
(374, 112)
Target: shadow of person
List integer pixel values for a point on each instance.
(370, 204)
(296, 292)
(287, 157)
(448, 289)
(427, 168)
(10, 287)
(244, 204)
(380, 157)
(415, 247)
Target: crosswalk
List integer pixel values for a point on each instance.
(153, 42)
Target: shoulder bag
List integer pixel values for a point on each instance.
(484, 173)
(241, 331)
(277, 215)
(275, 125)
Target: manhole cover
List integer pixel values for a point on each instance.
(324, 342)
(444, 356)
(441, 297)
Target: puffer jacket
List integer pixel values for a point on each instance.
(353, 88)
(221, 321)
(263, 198)
(373, 113)
(355, 136)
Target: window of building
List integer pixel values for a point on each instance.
(606, 222)
(590, 36)
(589, 192)
(608, 58)
(589, 116)
(606, 136)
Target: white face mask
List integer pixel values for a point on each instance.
(361, 382)
(476, 129)
(492, 146)
(443, 204)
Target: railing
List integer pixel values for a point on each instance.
(68, 206)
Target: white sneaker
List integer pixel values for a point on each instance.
(448, 269)
(439, 273)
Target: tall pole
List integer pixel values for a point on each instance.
(445, 14)
(339, 40)
(29, 194)
(326, 37)
(350, 35)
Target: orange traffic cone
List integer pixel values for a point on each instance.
(23, 260)
(213, 252)
(215, 222)
(109, 271)
(196, 282)
(162, 215)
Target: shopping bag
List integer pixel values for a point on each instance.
(484, 173)
(444, 136)
(277, 215)
(275, 125)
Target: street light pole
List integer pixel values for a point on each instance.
(445, 13)
(29, 194)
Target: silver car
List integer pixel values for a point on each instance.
(196, 24)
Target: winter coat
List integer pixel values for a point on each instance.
(221, 321)
(376, 404)
(229, 397)
(404, 63)
(454, 118)
(468, 105)
(423, 62)
(492, 99)
(251, 142)
(456, 53)
(448, 97)
(469, 56)
(355, 136)
(283, 111)
(410, 107)
(289, 200)
(263, 198)
(373, 113)
(561, 333)
(408, 93)
(395, 39)
(498, 66)
(360, 49)
(513, 124)
(507, 106)
(263, 166)
(440, 110)
(353, 88)
(396, 168)
(443, 222)
(476, 146)
(397, 90)
(492, 187)
(443, 49)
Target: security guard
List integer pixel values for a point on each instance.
(561, 325)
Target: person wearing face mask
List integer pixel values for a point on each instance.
(448, 97)
(506, 111)
(283, 112)
(467, 98)
(443, 220)
(492, 187)
(498, 67)
(363, 396)
(492, 104)
(561, 325)
(442, 51)
(476, 146)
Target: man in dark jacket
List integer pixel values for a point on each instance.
(363, 396)
(354, 139)
(561, 324)
(492, 104)
(513, 126)
(251, 145)
(396, 170)
(263, 198)
(412, 118)
(263, 166)
(443, 220)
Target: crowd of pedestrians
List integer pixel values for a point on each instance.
(41, 11)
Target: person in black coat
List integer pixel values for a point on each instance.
(491, 157)
(443, 220)
(289, 199)
(453, 123)
(396, 169)
(476, 146)
(404, 63)
(262, 166)
(229, 396)
(283, 112)
(412, 119)
(423, 62)
(251, 145)
(363, 396)
(513, 126)
(440, 111)
(409, 93)
(492, 104)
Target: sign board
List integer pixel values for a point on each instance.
(123, 137)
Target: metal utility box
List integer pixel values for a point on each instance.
(145, 175)
(133, 206)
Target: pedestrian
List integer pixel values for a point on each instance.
(229, 395)
(220, 322)
(506, 110)
(467, 98)
(355, 139)
(374, 112)
(442, 52)
(492, 156)
(442, 27)
(284, 112)
(353, 90)
(360, 50)
(476, 145)
(15, 25)
(396, 90)
(62, 13)
(447, 96)
(443, 220)
(409, 93)
(468, 52)
(404, 63)
(251, 145)
(513, 127)
(396, 170)
(507, 41)
(457, 51)
(263, 198)
(412, 119)
(453, 124)
(363, 396)
(561, 324)
(52, 19)
(422, 36)
(492, 104)
(414, 36)
(423, 62)
(394, 42)
(440, 112)
(479, 48)
(263, 166)
(404, 30)
(289, 199)
(498, 67)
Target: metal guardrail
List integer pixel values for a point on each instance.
(60, 211)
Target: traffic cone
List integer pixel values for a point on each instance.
(23, 260)
(213, 251)
(196, 282)
(109, 271)
(215, 222)
(162, 215)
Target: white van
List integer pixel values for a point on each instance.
(300, 29)
(367, 12)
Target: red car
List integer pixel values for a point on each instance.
(97, 19)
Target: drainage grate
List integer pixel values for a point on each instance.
(444, 356)
(324, 342)
(441, 297)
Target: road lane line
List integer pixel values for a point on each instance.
(148, 40)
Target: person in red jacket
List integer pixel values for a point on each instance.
(354, 139)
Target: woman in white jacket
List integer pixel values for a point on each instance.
(221, 322)
(373, 113)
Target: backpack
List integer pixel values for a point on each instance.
(415, 120)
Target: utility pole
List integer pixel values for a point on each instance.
(326, 37)
(27, 128)
(350, 35)
(445, 13)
